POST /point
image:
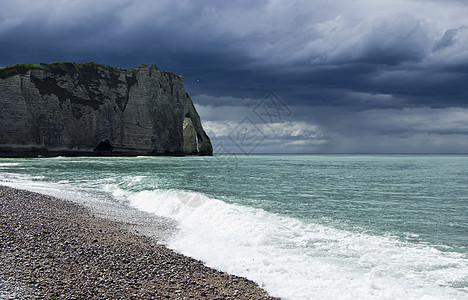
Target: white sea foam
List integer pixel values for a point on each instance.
(9, 164)
(295, 260)
(289, 258)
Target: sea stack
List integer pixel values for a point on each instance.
(93, 109)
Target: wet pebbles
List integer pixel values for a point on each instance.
(51, 248)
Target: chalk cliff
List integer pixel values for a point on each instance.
(94, 109)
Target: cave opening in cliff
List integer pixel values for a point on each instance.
(104, 146)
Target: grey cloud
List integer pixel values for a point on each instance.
(388, 41)
(447, 40)
(440, 121)
(358, 70)
(404, 143)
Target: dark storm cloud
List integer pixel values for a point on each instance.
(353, 71)
(449, 38)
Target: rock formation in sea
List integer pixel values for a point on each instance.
(94, 109)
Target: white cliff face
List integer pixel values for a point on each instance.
(68, 109)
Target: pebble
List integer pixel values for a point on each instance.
(52, 248)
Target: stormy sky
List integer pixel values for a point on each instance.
(313, 76)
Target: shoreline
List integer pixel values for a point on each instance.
(54, 248)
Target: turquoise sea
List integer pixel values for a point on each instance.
(302, 226)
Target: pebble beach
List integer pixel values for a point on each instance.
(52, 248)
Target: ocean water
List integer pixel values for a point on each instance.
(301, 226)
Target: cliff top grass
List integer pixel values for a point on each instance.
(58, 67)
